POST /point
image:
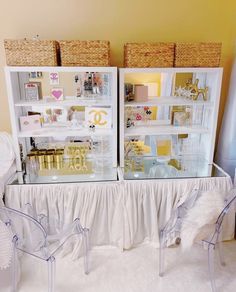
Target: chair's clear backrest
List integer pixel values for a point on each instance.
(41, 218)
(188, 203)
(30, 234)
(230, 202)
(175, 221)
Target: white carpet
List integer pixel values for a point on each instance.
(135, 270)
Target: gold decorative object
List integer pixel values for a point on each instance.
(128, 165)
(42, 166)
(48, 158)
(175, 163)
(58, 165)
(41, 159)
(136, 148)
(196, 92)
(192, 91)
(49, 165)
(58, 157)
(31, 156)
(77, 155)
(71, 160)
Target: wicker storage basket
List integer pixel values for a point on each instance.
(85, 53)
(31, 52)
(197, 54)
(141, 55)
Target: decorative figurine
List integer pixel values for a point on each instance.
(92, 127)
(192, 91)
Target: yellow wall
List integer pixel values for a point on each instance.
(119, 21)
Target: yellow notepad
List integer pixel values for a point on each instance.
(164, 148)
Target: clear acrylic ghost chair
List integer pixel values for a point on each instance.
(30, 236)
(215, 239)
(172, 231)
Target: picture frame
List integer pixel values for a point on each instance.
(57, 93)
(100, 117)
(30, 123)
(33, 91)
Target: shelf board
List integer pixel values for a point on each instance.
(168, 100)
(65, 132)
(66, 102)
(164, 130)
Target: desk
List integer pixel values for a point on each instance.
(119, 213)
(148, 205)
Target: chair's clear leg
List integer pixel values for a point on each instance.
(54, 272)
(211, 248)
(221, 253)
(51, 274)
(14, 266)
(161, 254)
(86, 249)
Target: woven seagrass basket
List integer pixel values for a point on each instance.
(197, 54)
(85, 53)
(31, 52)
(141, 55)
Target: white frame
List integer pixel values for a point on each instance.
(214, 104)
(15, 106)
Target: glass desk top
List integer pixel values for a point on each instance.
(109, 175)
(150, 171)
(150, 168)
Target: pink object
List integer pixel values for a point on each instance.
(29, 123)
(140, 92)
(138, 117)
(57, 93)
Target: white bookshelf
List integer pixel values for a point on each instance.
(19, 106)
(167, 80)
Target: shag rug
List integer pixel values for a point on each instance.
(199, 223)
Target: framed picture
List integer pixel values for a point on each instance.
(57, 93)
(182, 118)
(34, 75)
(30, 123)
(98, 116)
(33, 91)
(54, 78)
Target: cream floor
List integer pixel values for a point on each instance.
(135, 270)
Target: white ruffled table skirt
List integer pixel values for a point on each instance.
(123, 213)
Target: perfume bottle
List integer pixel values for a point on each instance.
(88, 84)
(78, 82)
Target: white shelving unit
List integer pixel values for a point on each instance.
(16, 77)
(200, 133)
